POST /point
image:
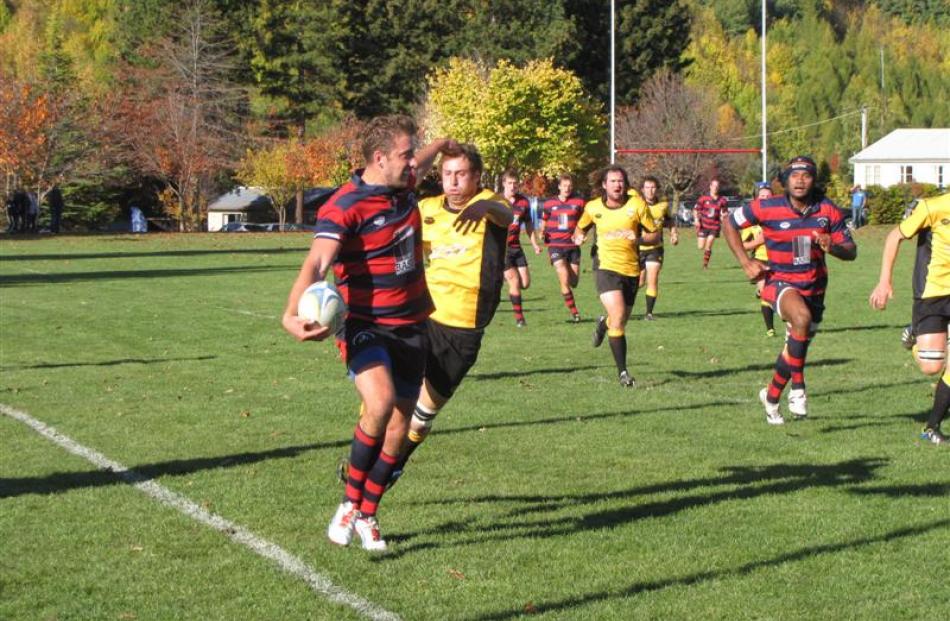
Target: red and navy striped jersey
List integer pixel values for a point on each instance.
(379, 269)
(794, 255)
(710, 211)
(519, 209)
(560, 219)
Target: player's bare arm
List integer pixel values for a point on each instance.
(884, 290)
(322, 254)
(847, 251)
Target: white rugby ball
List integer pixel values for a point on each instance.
(321, 302)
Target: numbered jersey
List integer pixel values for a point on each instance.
(560, 220)
(379, 270)
(464, 271)
(710, 211)
(793, 254)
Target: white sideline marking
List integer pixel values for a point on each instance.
(317, 582)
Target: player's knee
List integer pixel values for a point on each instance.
(615, 332)
(931, 361)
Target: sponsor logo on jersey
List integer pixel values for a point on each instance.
(785, 225)
(447, 250)
(379, 220)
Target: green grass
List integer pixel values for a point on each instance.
(546, 490)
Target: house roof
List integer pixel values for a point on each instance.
(240, 199)
(908, 145)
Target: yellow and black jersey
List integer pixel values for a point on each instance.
(464, 272)
(933, 213)
(615, 251)
(652, 218)
(747, 235)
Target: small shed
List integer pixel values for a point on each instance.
(905, 156)
(242, 204)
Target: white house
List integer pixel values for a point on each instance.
(241, 204)
(905, 156)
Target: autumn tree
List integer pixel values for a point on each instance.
(536, 118)
(175, 119)
(673, 115)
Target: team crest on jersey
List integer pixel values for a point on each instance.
(785, 225)
(944, 221)
(379, 220)
(823, 222)
(429, 220)
(600, 215)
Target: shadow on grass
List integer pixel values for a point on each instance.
(742, 482)
(66, 277)
(879, 326)
(555, 370)
(139, 254)
(705, 313)
(65, 481)
(765, 366)
(637, 588)
(902, 491)
(103, 363)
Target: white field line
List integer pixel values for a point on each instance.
(317, 582)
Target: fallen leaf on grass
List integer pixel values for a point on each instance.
(245, 413)
(456, 574)
(529, 609)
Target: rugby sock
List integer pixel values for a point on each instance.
(779, 378)
(706, 255)
(797, 348)
(651, 300)
(424, 416)
(364, 451)
(941, 402)
(618, 347)
(376, 483)
(516, 307)
(768, 315)
(569, 302)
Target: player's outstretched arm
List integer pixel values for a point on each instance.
(322, 254)
(753, 269)
(884, 291)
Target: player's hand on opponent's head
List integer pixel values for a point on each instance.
(880, 296)
(304, 330)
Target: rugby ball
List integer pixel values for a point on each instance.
(321, 303)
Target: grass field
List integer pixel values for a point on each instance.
(546, 490)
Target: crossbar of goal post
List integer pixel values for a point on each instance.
(678, 151)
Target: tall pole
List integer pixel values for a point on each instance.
(864, 127)
(613, 83)
(765, 156)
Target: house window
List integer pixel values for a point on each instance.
(872, 175)
(907, 174)
(939, 176)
